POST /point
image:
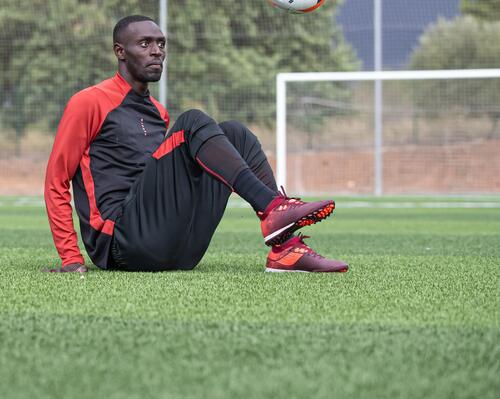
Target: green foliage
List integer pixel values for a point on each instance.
(16, 29)
(223, 58)
(463, 43)
(487, 10)
(56, 48)
(227, 62)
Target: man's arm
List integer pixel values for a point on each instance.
(76, 130)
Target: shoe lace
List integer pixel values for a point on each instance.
(290, 200)
(307, 249)
(285, 203)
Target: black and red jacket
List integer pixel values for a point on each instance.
(106, 134)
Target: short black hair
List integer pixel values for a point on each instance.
(122, 24)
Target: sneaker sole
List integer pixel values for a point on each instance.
(271, 270)
(280, 236)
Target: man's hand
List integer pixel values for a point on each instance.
(73, 268)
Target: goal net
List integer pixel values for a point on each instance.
(401, 132)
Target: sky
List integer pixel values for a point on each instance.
(403, 21)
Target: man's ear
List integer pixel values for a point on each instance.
(119, 51)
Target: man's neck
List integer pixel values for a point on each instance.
(138, 87)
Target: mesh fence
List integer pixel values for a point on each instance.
(439, 137)
(223, 57)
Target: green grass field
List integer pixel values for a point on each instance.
(417, 316)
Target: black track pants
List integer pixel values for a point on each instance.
(173, 209)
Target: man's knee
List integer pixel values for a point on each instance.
(193, 118)
(198, 127)
(238, 134)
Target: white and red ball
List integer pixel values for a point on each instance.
(297, 6)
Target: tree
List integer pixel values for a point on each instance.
(227, 61)
(16, 28)
(223, 59)
(52, 49)
(464, 43)
(487, 10)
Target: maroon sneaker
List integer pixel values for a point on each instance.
(295, 256)
(284, 215)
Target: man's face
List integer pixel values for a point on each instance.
(142, 50)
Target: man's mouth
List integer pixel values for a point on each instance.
(155, 65)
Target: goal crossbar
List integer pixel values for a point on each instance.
(375, 76)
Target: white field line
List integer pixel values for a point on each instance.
(399, 205)
(236, 203)
(23, 201)
(429, 205)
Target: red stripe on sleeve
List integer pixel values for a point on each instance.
(79, 125)
(96, 220)
(72, 139)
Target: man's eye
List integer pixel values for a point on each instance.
(161, 44)
(143, 44)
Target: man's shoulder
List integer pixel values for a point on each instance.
(87, 95)
(106, 94)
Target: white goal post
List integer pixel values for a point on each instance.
(376, 76)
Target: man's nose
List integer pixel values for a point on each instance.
(156, 50)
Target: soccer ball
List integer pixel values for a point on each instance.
(297, 6)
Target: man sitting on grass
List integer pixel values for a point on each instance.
(149, 200)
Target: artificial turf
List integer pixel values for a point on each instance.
(417, 315)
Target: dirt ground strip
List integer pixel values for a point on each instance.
(464, 168)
